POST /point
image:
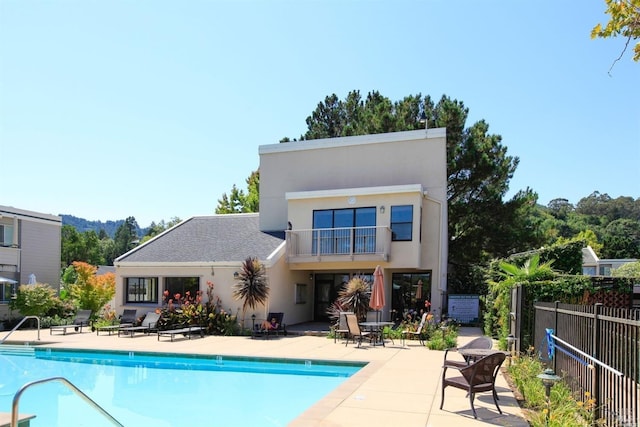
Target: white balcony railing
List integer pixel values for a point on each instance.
(349, 243)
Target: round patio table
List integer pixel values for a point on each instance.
(377, 328)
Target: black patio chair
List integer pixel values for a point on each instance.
(482, 342)
(477, 377)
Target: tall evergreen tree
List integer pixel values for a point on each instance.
(126, 237)
(240, 202)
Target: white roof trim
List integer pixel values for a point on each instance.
(179, 264)
(277, 253)
(11, 212)
(315, 144)
(363, 191)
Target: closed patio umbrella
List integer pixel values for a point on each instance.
(377, 291)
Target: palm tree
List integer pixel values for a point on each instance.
(531, 271)
(251, 285)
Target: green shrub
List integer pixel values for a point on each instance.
(563, 409)
(91, 291)
(181, 310)
(442, 335)
(34, 300)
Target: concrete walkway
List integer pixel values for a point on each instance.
(400, 385)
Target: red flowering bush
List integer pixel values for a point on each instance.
(183, 310)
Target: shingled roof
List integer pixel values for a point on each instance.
(218, 238)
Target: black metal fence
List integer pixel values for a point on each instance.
(609, 335)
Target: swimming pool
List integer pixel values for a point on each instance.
(144, 388)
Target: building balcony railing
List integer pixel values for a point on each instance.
(338, 244)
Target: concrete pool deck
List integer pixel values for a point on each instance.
(399, 386)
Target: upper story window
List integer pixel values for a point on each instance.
(6, 235)
(141, 289)
(348, 230)
(402, 223)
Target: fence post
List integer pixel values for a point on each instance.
(596, 346)
(555, 329)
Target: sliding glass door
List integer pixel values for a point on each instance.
(343, 231)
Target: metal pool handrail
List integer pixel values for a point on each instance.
(70, 386)
(20, 324)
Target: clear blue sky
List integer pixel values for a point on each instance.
(154, 109)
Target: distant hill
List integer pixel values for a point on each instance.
(110, 227)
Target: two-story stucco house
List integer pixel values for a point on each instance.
(330, 210)
(30, 245)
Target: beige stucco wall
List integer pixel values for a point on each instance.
(399, 158)
(282, 284)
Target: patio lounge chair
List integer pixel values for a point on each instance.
(478, 377)
(149, 324)
(418, 332)
(258, 330)
(355, 332)
(187, 331)
(82, 319)
(127, 319)
(482, 342)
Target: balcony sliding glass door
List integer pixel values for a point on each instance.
(344, 231)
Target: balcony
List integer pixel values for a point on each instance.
(338, 244)
(10, 256)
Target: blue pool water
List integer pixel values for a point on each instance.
(141, 389)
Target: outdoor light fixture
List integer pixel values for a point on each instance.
(212, 272)
(549, 378)
(235, 274)
(311, 277)
(382, 209)
(253, 322)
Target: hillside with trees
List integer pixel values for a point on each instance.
(100, 248)
(108, 227)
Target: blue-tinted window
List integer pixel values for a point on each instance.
(365, 232)
(343, 238)
(402, 223)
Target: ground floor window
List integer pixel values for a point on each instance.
(411, 292)
(141, 289)
(178, 288)
(7, 291)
